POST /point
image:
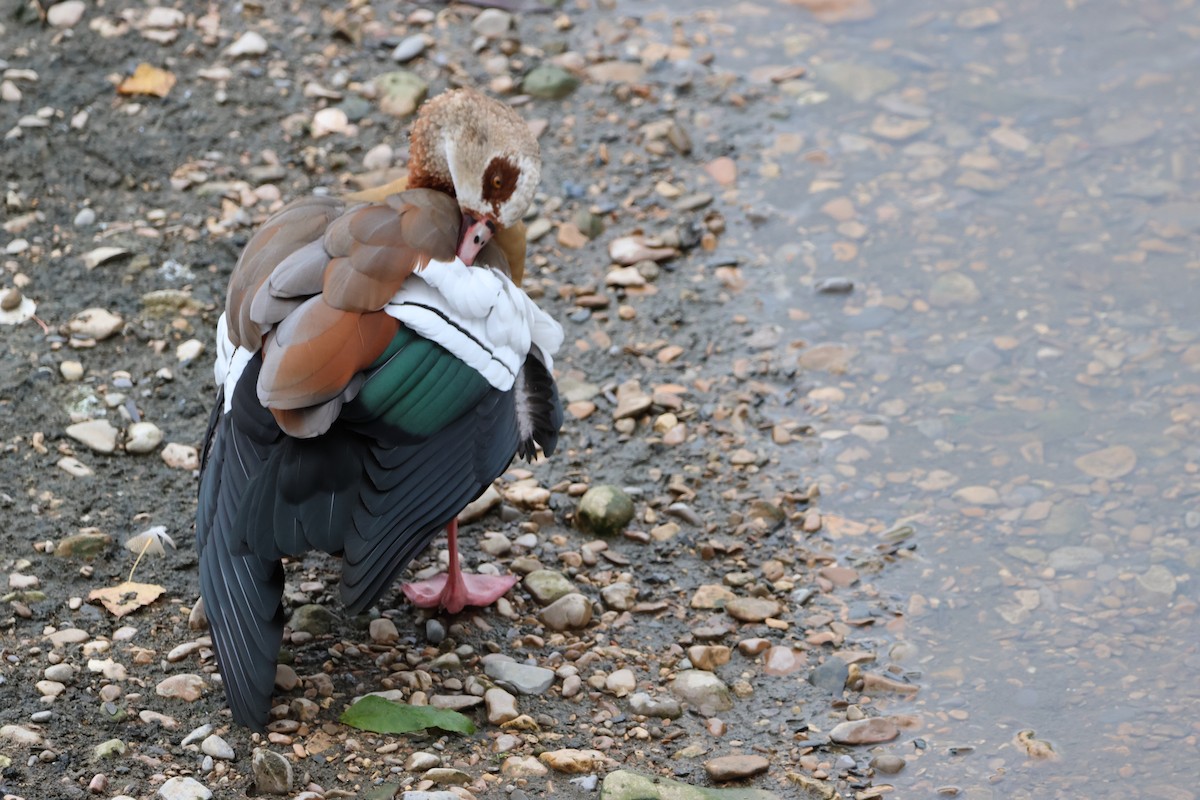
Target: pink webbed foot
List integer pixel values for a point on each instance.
(454, 590)
(454, 596)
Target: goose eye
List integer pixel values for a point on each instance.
(497, 182)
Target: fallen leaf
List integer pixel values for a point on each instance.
(148, 79)
(127, 596)
(373, 713)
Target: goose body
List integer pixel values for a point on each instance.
(378, 367)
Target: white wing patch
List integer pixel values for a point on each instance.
(231, 362)
(479, 315)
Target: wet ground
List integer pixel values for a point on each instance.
(1000, 415)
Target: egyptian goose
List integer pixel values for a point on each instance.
(378, 367)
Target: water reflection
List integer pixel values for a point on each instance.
(1014, 192)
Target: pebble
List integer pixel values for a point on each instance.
(142, 437)
(604, 510)
(400, 92)
(180, 456)
(501, 706)
(661, 708)
(704, 691)
(21, 736)
(272, 772)
(492, 23)
(69, 636)
(329, 121)
(63, 673)
(383, 631)
(953, 289)
(621, 682)
(864, 731)
(109, 748)
(569, 612)
(831, 675)
(421, 761)
(525, 678)
(184, 686)
(379, 157)
(572, 685)
(619, 596)
(249, 43)
(781, 660)
(448, 776)
(723, 170)
(546, 585)
(409, 48)
(523, 767)
(574, 762)
(736, 767)
(65, 14)
(179, 788)
(549, 82)
(189, 351)
(217, 747)
(753, 609)
(85, 218)
(97, 434)
(888, 764)
(708, 657)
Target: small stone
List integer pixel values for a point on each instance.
(189, 351)
(409, 48)
(632, 402)
(546, 585)
(524, 678)
(180, 456)
(753, 609)
(501, 706)
(619, 596)
(83, 545)
(629, 250)
(537, 229)
(21, 736)
(523, 767)
(1074, 558)
(95, 323)
(71, 370)
(711, 595)
(63, 673)
(50, 688)
(781, 660)
(953, 289)
(831, 676)
(621, 682)
(447, 776)
(400, 92)
(492, 23)
(616, 72)
(74, 467)
(70, 636)
(888, 764)
(85, 218)
(704, 691)
(570, 236)
(272, 772)
(65, 14)
(708, 657)
(865, 731)
(574, 762)
(572, 685)
(421, 761)
(249, 43)
(978, 495)
(379, 157)
(723, 170)
(570, 612)
(110, 748)
(312, 618)
(184, 789)
(549, 82)
(383, 631)
(604, 511)
(217, 747)
(142, 437)
(661, 708)
(329, 121)
(96, 434)
(1109, 464)
(185, 686)
(736, 767)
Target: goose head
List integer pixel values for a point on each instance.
(480, 151)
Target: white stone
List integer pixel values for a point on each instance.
(66, 14)
(249, 44)
(184, 789)
(142, 437)
(96, 434)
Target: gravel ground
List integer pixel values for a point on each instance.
(726, 635)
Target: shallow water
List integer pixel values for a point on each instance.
(1015, 193)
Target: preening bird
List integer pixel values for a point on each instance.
(378, 367)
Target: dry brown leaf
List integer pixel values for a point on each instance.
(148, 79)
(127, 596)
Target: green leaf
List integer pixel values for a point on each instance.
(375, 714)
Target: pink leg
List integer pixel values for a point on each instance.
(453, 590)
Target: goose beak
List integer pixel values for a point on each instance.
(473, 235)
